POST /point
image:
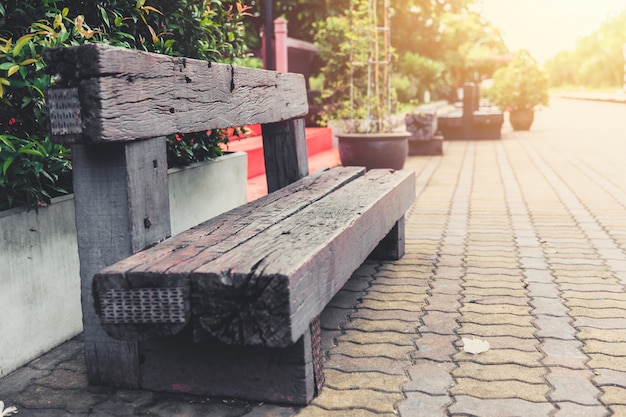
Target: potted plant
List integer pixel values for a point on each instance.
(357, 93)
(519, 88)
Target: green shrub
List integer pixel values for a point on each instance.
(202, 29)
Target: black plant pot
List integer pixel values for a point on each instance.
(374, 150)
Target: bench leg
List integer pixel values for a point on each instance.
(289, 375)
(392, 245)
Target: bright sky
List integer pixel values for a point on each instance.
(546, 27)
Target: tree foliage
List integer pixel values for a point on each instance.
(596, 61)
(32, 169)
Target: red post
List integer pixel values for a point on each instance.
(280, 45)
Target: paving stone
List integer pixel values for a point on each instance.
(577, 410)
(165, 406)
(483, 330)
(502, 356)
(489, 299)
(508, 342)
(607, 348)
(599, 303)
(399, 315)
(64, 352)
(548, 307)
(585, 295)
(597, 360)
(600, 313)
(565, 353)
(601, 286)
(491, 262)
(555, 327)
(536, 289)
(345, 300)
(419, 404)
(439, 322)
(618, 410)
(72, 401)
(500, 372)
(445, 286)
(500, 390)
(396, 281)
(496, 319)
(371, 400)
(449, 272)
(516, 278)
(575, 275)
(615, 335)
(64, 379)
(521, 311)
(333, 318)
(538, 275)
(365, 325)
(495, 291)
(18, 380)
(572, 386)
(398, 289)
(492, 272)
(394, 297)
(443, 302)
(316, 411)
(269, 410)
(385, 350)
(364, 380)
(401, 339)
(491, 283)
(366, 364)
(600, 323)
(610, 377)
(435, 347)
(613, 395)
(380, 305)
(430, 377)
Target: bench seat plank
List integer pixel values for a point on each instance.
(266, 288)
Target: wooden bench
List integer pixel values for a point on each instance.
(229, 307)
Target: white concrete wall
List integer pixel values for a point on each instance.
(39, 267)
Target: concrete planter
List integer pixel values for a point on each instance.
(39, 267)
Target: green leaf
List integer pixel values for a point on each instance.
(105, 16)
(6, 165)
(21, 42)
(13, 70)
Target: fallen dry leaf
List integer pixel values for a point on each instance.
(475, 346)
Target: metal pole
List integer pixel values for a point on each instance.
(270, 60)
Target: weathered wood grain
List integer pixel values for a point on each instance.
(263, 282)
(281, 375)
(165, 265)
(285, 152)
(115, 189)
(125, 95)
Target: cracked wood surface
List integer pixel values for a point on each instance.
(126, 95)
(259, 274)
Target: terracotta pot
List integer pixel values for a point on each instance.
(521, 119)
(374, 150)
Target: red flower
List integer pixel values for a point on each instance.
(12, 121)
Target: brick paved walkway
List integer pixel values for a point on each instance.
(520, 242)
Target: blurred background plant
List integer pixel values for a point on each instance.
(33, 170)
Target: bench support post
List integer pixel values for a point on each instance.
(122, 205)
(290, 375)
(284, 146)
(393, 245)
